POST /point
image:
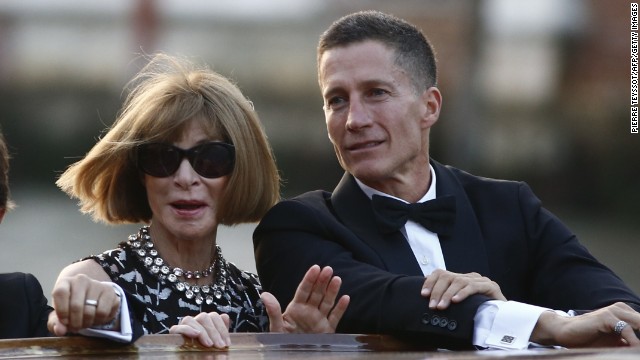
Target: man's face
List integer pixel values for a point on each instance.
(376, 120)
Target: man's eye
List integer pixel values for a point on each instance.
(334, 102)
(378, 92)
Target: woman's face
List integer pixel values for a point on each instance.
(184, 204)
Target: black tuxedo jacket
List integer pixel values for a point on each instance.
(23, 307)
(501, 231)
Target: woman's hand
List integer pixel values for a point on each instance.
(211, 329)
(312, 309)
(444, 287)
(81, 302)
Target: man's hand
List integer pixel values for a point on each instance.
(444, 287)
(312, 309)
(81, 302)
(594, 329)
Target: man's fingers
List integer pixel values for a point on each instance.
(455, 289)
(445, 287)
(629, 335)
(271, 304)
(306, 285)
(438, 290)
(430, 281)
(330, 295)
(427, 286)
(337, 312)
(319, 290)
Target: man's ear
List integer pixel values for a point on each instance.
(432, 100)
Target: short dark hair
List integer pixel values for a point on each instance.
(413, 51)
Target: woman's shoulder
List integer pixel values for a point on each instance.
(244, 275)
(117, 254)
(114, 261)
(243, 280)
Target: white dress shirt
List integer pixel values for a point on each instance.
(497, 324)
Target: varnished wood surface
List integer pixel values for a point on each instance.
(275, 346)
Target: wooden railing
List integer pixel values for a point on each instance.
(274, 346)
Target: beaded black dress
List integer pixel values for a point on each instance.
(137, 267)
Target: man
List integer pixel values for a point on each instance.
(377, 75)
(23, 306)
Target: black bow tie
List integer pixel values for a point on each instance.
(435, 215)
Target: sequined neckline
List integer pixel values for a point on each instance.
(143, 247)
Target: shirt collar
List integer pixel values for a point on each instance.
(430, 195)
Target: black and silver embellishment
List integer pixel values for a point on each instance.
(143, 247)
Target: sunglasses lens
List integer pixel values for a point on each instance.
(213, 160)
(159, 160)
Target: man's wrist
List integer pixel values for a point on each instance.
(544, 333)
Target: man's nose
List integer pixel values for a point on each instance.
(358, 116)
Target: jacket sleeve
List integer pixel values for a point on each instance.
(294, 236)
(566, 276)
(39, 310)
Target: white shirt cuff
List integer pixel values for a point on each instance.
(505, 324)
(125, 335)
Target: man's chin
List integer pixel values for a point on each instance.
(366, 173)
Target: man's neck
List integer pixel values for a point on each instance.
(409, 192)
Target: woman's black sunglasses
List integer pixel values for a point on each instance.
(210, 160)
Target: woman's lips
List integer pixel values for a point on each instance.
(187, 205)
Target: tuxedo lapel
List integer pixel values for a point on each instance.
(353, 209)
(464, 251)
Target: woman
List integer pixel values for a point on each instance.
(186, 154)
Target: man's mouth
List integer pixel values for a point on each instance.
(364, 145)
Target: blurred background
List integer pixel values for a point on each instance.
(536, 91)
